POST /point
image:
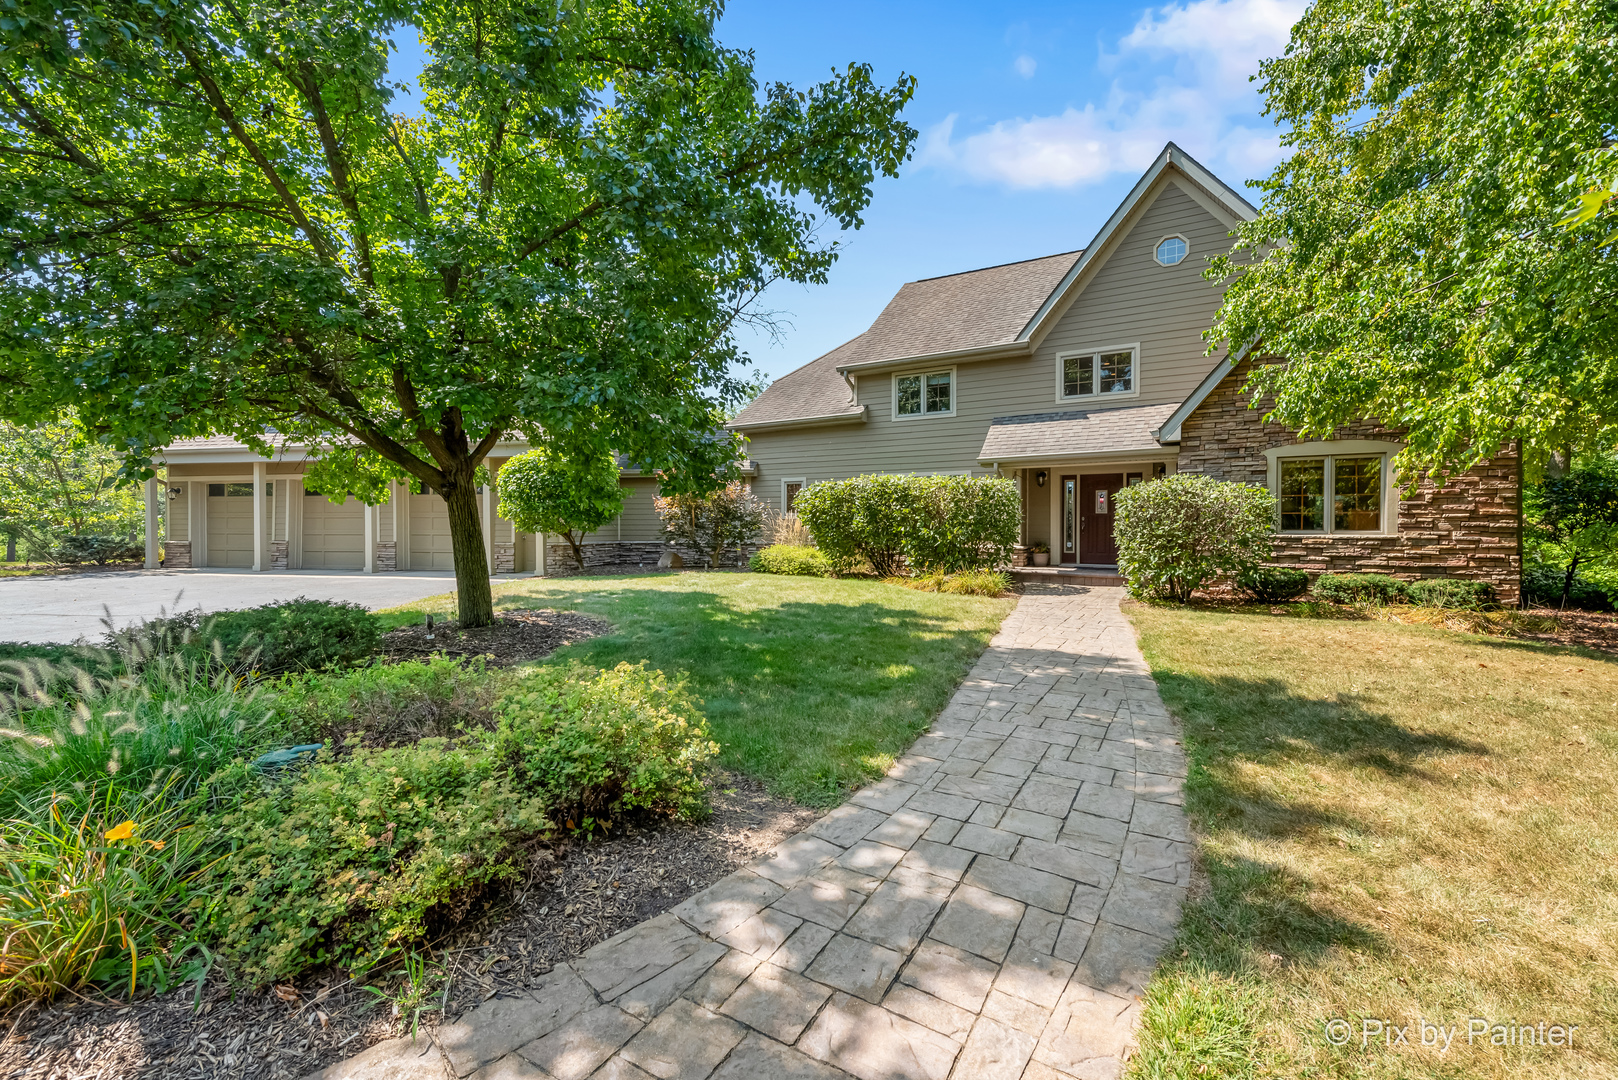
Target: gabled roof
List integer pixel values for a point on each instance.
(995, 311)
(1074, 433)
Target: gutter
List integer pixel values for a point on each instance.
(979, 352)
(824, 420)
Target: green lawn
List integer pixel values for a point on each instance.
(1398, 823)
(814, 685)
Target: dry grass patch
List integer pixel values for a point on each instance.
(1397, 822)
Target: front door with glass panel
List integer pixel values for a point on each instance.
(1068, 492)
(1096, 543)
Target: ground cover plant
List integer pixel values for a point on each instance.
(1395, 821)
(790, 559)
(813, 685)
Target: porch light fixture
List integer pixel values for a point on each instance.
(174, 493)
(1039, 477)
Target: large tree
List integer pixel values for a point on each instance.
(216, 220)
(1410, 258)
(55, 483)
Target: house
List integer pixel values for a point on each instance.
(1075, 374)
(1081, 373)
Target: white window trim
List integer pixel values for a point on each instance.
(1067, 354)
(1334, 449)
(1171, 236)
(954, 393)
(800, 481)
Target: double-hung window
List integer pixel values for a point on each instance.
(1332, 493)
(930, 393)
(1102, 373)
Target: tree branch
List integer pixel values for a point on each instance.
(41, 125)
(336, 164)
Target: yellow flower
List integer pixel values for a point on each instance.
(121, 832)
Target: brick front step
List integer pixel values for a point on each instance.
(1065, 576)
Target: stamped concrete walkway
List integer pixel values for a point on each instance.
(990, 910)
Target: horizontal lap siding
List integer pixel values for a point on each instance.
(1130, 298)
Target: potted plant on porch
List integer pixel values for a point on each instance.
(1040, 554)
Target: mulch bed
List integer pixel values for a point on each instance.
(1591, 629)
(574, 896)
(516, 636)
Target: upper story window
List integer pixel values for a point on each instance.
(930, 393)
(1346, 491)
(1098, 373)
(1171, 251)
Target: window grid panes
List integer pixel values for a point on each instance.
(1112, 372)
(1355, 484)
(928, 394)
(237, 490)
(1170, 251)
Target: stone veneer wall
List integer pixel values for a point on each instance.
(625, 555)
(387, 556)
(177, 554)
(1466, 529)
(278, 554)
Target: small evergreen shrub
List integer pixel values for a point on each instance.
(1451, 593)
(1178, 533)
(101, 550)
(790, 559)
(1272, 584)
(1360, 589)
(272, 639)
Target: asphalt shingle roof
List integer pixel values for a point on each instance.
(942, 314)
(1037, 435)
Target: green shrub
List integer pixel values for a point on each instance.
(100, 894)
(289, 635)
(1451, 593)
(387, 704)
(1272, 584)
(730, 517)
(1360, 589)
(600, 744)
(101, 550)
(965, 583)
(790, 559)
(933, 523)
(1176, 534)
(353, 857)
(1543, 584)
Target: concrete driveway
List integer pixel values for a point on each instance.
(71, 606)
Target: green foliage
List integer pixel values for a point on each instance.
(1574, 517)
(1272, 584)
(101, 550)
(57, 484)
(101, 894)
(790, 559)
(962, 523)
(1178, 533)
(1361, 589)
(1408, 258)
(861, 518)
(933, 523)
(545, 492)
(961, 583)
(1549, 585)
(711, 523)
(347, 862)
(603, 744)
(555, 244)
(274, 638)
(388, 704)
(1451, 593)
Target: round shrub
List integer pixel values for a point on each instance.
(1361, 589)
(1451, 593)
(790, 559)
(862, 518)
(1176, 534)
(1272, 584)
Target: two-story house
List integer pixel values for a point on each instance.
(1075, 374)
(1081, 373)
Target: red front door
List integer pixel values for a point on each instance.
(1096, 543)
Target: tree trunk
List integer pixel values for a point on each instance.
(578, 552)
(1567, 580)
(474, 599)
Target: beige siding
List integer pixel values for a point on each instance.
(178, 525)
(639, 518)
(1129, 299)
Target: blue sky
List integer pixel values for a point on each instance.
(1035, 121)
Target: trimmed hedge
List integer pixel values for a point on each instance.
(1360, 589)
(943, 524)
(790, 559)
(1451, 593)
(1178, 533)
(1273, 584)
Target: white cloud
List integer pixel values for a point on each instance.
(1181, 73)
(1025, 65)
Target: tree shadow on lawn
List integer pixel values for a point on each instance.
(816, 698)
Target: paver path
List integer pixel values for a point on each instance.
(991, 909)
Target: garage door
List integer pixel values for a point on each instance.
(230, 524)
(333, 533)
(429, 534)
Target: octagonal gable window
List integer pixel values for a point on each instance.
(1171, 251)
